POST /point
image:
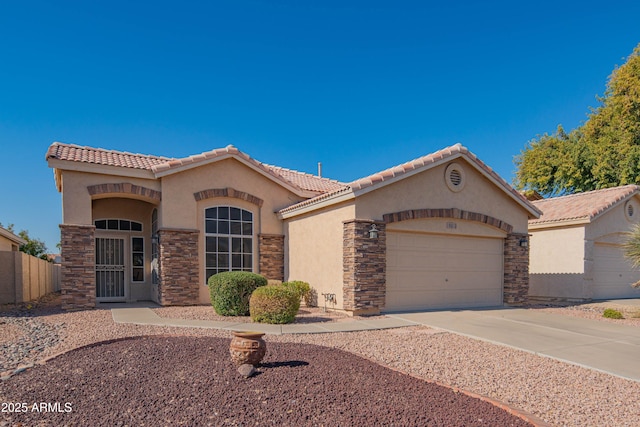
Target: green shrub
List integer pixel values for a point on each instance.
(610, 313)
(274, 304)
(301, 288)
(230, 291)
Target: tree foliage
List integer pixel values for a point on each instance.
(603, 152)
(631, 247)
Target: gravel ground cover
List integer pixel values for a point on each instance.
(193, 382)
(556, 392)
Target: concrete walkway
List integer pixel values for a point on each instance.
(145, 316)
(603, 346)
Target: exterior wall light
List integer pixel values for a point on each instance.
(373, 232)
(523, 242)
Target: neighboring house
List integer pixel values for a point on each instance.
(9, 241)
(576, 252)
(443, 230)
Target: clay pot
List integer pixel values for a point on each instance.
(247, 347)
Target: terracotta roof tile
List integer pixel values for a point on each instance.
(99, 156)
(581, 206)
(156, 164)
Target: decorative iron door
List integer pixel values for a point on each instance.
(110, 269)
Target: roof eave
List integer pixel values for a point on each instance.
(9, 235)
(338, 197)
(559, 223)
(71, 165)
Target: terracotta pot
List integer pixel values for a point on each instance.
(247, 347)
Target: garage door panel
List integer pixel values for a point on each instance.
(434, 281)
(444, 299)
(613, 274)
(437, 271)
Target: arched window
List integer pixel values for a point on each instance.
(228, 240)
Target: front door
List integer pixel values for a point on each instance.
(110, 269)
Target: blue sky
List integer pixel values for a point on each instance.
(357, 85)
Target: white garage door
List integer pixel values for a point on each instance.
(426, 271)
(613, 274)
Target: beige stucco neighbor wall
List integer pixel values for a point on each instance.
(557, 264)
(314, 250)
(25, 278)
(562, 258)
(428, 189)
(7, 245)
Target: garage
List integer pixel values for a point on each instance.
(612, 273)
(431, 271)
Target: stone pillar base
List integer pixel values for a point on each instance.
(516, 269)
(179, 269)
(78, 281)
(364, 267)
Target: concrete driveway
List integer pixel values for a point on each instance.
(603, 346)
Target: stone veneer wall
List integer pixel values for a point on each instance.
(271, 252)
(78, 284)
(179, 269)
(516, 269)
(364, 267)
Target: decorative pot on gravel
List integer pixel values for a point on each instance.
(247, 347)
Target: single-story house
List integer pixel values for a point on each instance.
(576, 252)
(9, 241)
(443, 230)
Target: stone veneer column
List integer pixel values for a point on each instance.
(516, 269)
(364, 267)
(271, 252)
(179, 269)
(78, 284)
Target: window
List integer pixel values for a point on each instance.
(228, 240)
(117, 225)
(137, 259)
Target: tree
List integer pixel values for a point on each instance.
(34, 247)
(603, 152)
(631, 248)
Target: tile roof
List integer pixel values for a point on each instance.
(157, 164)
(427, 161)
(581, 206)
(99, 156)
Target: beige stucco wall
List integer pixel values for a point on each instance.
(428, 190)
(614, 222)
(76, 200)
(6, 244)
(179, 207)
(557, 250)
(562, 258)
(314, 249)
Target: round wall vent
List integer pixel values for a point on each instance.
(454, 177)
(630, 210)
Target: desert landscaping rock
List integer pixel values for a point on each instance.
(246, 370)
(190, 381)
(555, 392)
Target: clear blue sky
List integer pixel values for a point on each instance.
(358, 85)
